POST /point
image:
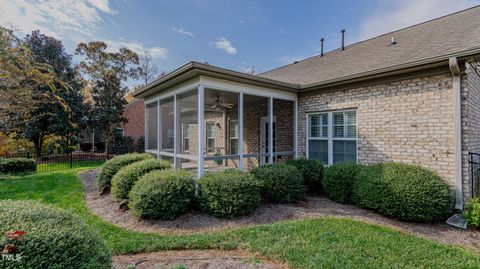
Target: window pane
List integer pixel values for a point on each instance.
(318, 150)
(152, 125)
(233, 129)
(338, 118)
(344, 151)
(351, 131)
(233, 146)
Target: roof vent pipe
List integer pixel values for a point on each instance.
(343, 39)
(321, 46)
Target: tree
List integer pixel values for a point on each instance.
(56, 118)
(148, 69)
(107, 73)
(21, 77)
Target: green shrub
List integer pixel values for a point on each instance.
(54, 238)
(123, 180)
(472, 213)
(338, 181)
(279, 183)
(111, 167)
(17, 166)
(162, 194)
(312, 172)
(403, 191)
(228, 194)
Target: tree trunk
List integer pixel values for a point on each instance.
(37, 145)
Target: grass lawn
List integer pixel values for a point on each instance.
(318, 243)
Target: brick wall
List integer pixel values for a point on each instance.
(408, 121)
(135, 113)
(470, 122)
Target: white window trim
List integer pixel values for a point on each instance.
(233, 137)
(330, 137)
(210, 150)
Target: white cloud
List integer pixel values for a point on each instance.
(223, 44)
(392, 15)
(138, 47)
(76, 19)
(182, 31)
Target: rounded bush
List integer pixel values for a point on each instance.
(403, 191)
(228, 194)
(111, 167)
(279, 183)
(53, 238)
(162, 194)
(312, 172)
(125, 178)
(17, 166)
(338, 181)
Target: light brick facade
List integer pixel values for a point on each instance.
(408, 121)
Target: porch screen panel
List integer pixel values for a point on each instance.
(221, 113)
(152, 126)
(283, 146)
(187, 130)
(167, 123)
(255, 131)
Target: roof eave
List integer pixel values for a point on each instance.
(193, 69)
(392, 70)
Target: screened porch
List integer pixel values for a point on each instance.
(207, 128)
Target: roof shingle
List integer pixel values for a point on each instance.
(443, 36)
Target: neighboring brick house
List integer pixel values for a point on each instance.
(135, 114)
(411, 96)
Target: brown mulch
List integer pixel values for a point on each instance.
(196, 259)
(314, 207)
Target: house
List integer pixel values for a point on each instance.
(412, 96)
(134, 112)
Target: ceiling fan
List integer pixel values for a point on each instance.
(219, 104)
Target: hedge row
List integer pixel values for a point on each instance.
(17, 166)
(402, 191)
(112, 166)
(123, 181)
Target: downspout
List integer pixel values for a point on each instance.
(457, 119)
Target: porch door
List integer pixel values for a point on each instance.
(264, 139)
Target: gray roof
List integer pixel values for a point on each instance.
(448, 35)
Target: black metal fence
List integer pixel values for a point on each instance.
(474, 163)
(56, 162)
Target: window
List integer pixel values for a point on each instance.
(233, 137)
(186, 137)
(118, 137)
(210, 136)
(332, 136)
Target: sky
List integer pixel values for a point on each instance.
(241, 35)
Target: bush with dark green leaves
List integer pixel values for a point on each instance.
(312, 172)
(472, 213)
(125, 178)
(403, 191)
(279, 183)
(163, 194)
(53, 238)
(17, 166)
(111, 167)
(228, 194)
(338, 181)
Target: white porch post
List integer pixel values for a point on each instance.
(201, 133)
(295, 129)
(240, 130)
(159, 136)
(176, 117)
(270, 130)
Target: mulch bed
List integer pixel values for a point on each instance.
(313, 207)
